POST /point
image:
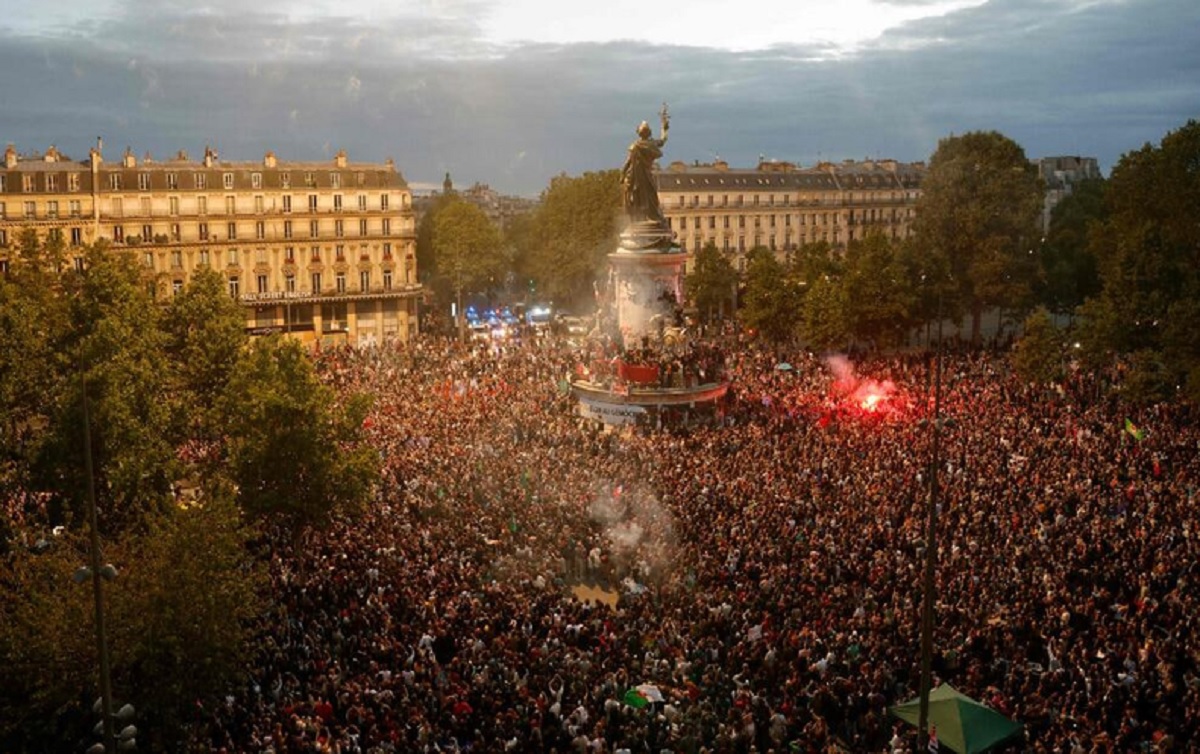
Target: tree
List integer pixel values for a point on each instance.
(1069, 273)
(772, 301)
(713, 281)
(826, 315)
(205, 336)
(1148, 252)
(179, 615)
(115, 347)
(1037, 356)
(467, 250)
(980, 205)
(294, 452)
(878, 291)
(571, 234)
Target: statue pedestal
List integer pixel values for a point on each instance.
(648, 286)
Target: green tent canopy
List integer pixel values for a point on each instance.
(962, 724)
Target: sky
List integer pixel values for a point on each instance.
(514, 92)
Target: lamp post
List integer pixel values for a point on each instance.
(931, 550)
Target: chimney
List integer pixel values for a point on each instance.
(340, 158)
(10, 157)
(210, 156)
(129, 160)
(182, 155)
(51, 154)
(269, 159)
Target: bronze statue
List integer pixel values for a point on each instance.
(638, 190)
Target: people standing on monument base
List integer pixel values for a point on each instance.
(768, 568)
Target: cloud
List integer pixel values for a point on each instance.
(1060, 77)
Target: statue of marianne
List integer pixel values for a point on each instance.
(638, 192)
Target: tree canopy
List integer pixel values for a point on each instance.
(712, 285)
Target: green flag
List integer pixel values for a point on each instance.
(1132, 429)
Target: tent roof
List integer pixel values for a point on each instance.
(962, 724)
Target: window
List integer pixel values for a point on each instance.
(387, 251)
(174, 205)
(201, 181)
(339, 282)
(260, 230)
(362, 227)
(285, 180)
(289, 283)
(338, 228)
(176, 287)
(316, 282)
(51, 182)
(340, 252)
(261, 281)
(52, 209)
(202, 205)
(337, 202)
(172, 181)
(227, 180)
(387, 227)
(231, 231)
(147, 233)
(2, 211)
(3, 262)
(387, 280)
(176, 235)
(144, 206)
(308, 180)
(289, 254)
(3, 183)
(118, 234)
(316, 253)
(364, 280)
(143, 181)
(362, 201)
(312, 202)
(72, 181)
(335, 180)
(118, 207)
(148, 260)
(234, 289)
(30, 209)
(383, 202)
(79, 264)
(204, 257)
(233, 258)
(230, 205)
(314, 227)
(76, 236)
(361, 178)
(260, 256)
(176, 259)
(258, 205)
(287, 228)
(27, 184)
(256, 180)
(287, 204)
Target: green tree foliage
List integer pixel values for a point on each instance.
(426, 258)
(295, 453)
(116, 344)
(878, 291)
(206, 334)
(1069, 272)
(826, 314)
(1037, 356)
(571, 233)
(1149, 258)
(179, 616)
(979, 207)
(772, 301)
(468, 250)
(712, 284)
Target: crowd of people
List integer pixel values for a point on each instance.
(767, 566)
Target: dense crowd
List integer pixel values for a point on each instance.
(768, 567)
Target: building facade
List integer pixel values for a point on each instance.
(322, 251)
(1060, 175)
(781, 206)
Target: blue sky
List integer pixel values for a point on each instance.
(514, 92)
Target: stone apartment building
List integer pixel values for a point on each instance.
(323, 251)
